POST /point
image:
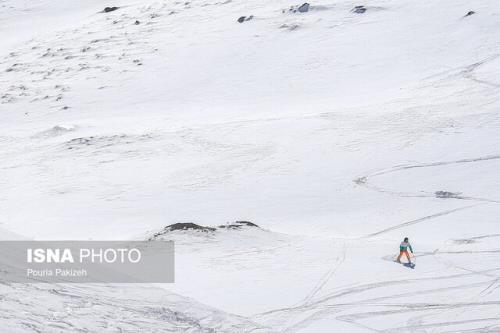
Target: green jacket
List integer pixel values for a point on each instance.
(404, 246)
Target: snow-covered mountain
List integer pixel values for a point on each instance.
(338, 130)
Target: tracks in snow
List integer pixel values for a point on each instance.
(419, 220)
(357, 305)
(345, 305)
(364, 181)
(327, 277)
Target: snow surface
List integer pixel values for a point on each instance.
(331, 130)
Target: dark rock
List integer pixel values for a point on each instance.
(463, 241)
(360, 181)
(180, 226)
(137, 22)
(110, 9)
(188, 226)
(359, 9)
(245, 18)
(238, 225)
(304, 8)
(447, 195)
(229, 226)
(247, 223)
(197, 227)
(470, 13)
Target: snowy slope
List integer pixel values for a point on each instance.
(330, 129)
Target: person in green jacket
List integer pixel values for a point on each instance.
(403, 249)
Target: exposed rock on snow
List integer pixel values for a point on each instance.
(187, 226)
(238, 225)
(109, 9)
(446, 194)
(197, 227)
(359, 9)
(180, 226)
(469, 13)
(247, 223)
(304, 8)
(242, 19)
(360, 181)
(464, 241)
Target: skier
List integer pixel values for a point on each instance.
(403, 249)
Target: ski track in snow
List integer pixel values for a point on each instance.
(415, 324)
(419, 220)
(364, 181)
(326, 278)
(330, 305)
(321, 307)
